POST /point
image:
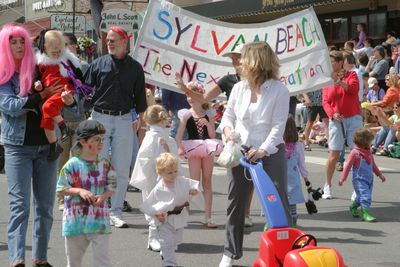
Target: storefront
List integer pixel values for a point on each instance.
(338, 17)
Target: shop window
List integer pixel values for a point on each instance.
(377, 25)
(340, 29)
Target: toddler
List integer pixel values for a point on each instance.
(362, 163)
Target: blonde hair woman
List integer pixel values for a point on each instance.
(260, 104)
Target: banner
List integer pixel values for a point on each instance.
(172, 40)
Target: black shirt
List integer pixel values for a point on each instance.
(119, 84)
(227, 82)
(34, 134)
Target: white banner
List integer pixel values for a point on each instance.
(175, 40)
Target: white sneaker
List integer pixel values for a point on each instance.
(118, 222)
(248, 222)
(154, 245)
(327, 192)
(226, 261)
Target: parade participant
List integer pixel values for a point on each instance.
(167, 203)
(144, 175)
(119, 83)
(201, 146)
(55, 63)
(87, 181)
(26, 148)
(341, 104)
(296, 166)
(363, 166)
(260, 104)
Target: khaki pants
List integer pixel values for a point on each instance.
(75, 248)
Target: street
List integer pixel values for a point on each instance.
(360, 243)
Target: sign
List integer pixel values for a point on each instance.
(126, 19)
(172, 40)
(7, 2)
(64, 23)
(46, 4)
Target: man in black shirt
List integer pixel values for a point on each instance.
(120, 87)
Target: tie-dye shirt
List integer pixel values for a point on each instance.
(79, 216)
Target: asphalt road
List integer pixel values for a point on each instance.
(360, 243)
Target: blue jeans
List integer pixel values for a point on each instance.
(175, 125)
(118, 139)
(135, 149)
(387, 134)
(27, 167)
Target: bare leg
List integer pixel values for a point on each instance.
(307, 131)
(51, 135)
(207, 165)
(330, 165)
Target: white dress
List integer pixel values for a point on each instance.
(144, 175)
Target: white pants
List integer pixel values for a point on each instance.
(75, 247)
(169, 238)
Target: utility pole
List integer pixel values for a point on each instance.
(73, 17)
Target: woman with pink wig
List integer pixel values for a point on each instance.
(26, 148)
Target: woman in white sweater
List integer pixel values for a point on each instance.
(257, 109)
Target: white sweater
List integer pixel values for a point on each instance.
(262, 124)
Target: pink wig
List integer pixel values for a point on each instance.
(7, 61)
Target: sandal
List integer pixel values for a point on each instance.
(210, 224)
(307, 148)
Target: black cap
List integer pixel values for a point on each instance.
(89, 128)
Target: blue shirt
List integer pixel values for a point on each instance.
(373, 96)
(173, 101)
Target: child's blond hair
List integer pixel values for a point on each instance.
(166, 162)
(198, 88)
(155, 114)
(53, 38)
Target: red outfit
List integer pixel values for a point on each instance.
(52, 70)
(390, 98)
(354, 160)
(335, 99)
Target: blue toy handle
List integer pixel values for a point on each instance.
(266, 191)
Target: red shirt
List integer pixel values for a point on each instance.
(335, 99)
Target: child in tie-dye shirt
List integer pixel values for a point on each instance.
(87, 181)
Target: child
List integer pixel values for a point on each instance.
(155, 142)
(56, 64)
(296, 166)
(200, 147)
(167, 202)
(87, 181)
(363, 165)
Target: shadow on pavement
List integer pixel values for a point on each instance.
(197, 248)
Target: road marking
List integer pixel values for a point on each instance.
(322, 161)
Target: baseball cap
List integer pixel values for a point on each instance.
(89, 128)
(397, 42)
(237, 51)
(372, 81)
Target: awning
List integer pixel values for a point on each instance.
(239, 8)
(34, 27)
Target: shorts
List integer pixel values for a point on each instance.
(342, 132)
(313, 111)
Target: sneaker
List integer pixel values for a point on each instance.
(226, 261)
(390, 146)
(154, 245)
(118, 222)
(367, 217)
(126, 207)
(383, 152)
(327, 192)
(373, 149)
(248, 222)
(339, 166)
